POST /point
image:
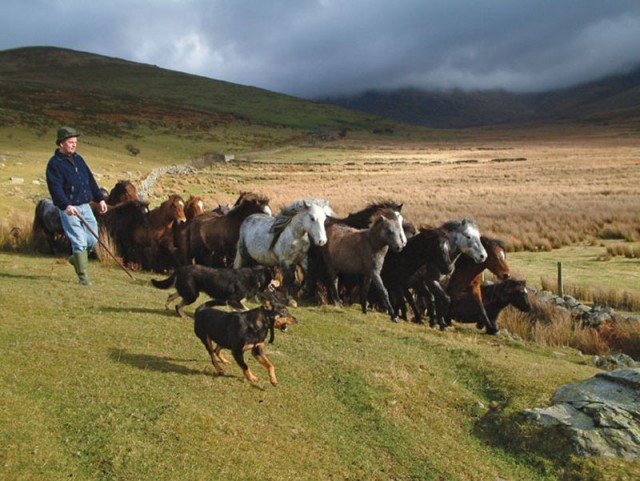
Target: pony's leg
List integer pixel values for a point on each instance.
(442, 301)
(417, 315)
(364, 292)
(239, 260)
(486, 320)
(377, 281)
(333, 281)
(288, 280)
(429, 300)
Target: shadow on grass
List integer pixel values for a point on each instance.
(154, 363)
(9, 275)
(165, 364)
(142, 310)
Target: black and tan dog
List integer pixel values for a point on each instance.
(223, 285)
(241, 331)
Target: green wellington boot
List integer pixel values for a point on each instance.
(81, 263)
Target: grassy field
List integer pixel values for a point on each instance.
(103, 383)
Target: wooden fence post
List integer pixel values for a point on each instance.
(560, 284)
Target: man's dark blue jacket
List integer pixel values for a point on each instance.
(70, 181)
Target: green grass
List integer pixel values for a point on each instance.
(582, 265)
(103, 383)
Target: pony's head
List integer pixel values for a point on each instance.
(467, 237)
(314, 216)
(497, 260)
(402, 234)
(391, 231)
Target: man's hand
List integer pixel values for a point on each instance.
(102, 207)
(71, 210)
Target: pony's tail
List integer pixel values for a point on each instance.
(166, 283)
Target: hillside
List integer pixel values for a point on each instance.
(44, 85)
(105, 383)
(615, 99)
(39, 85)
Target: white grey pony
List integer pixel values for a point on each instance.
(284, 240)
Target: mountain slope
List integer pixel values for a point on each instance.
(612, 99)
(37, 83)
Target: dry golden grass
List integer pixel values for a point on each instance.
(606, 296)
(547, 325)
(566, 191)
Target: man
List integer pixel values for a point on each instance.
(72, 186)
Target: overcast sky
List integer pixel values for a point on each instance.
(314, 48)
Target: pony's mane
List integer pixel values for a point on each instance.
(457, 224)
(429, 230)
(384, 204)
(245, 199)
(246, 195)
(491, 242)
(287, 213)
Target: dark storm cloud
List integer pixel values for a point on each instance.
(322, 47)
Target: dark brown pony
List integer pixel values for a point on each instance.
(466, 280)
(156, 237)
(427, 250)
(212, 237)
(495, 297)
(119, 223)
(362, 252)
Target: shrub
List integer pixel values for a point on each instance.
(133, 150)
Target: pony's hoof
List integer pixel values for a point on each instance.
(394, 319)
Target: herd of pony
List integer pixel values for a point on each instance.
(409, 271)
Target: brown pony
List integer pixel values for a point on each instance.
(122, 192)
(362, 252)
(212, 237)
(156, 237)
(193, 207)
(362, 219)
(466, 280)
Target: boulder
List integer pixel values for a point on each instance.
(599, 416)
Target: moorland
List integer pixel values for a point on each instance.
(103, 383)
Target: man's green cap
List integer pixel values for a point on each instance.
(64, 133)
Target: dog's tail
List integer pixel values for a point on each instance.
(166, 283)
(211, 303)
